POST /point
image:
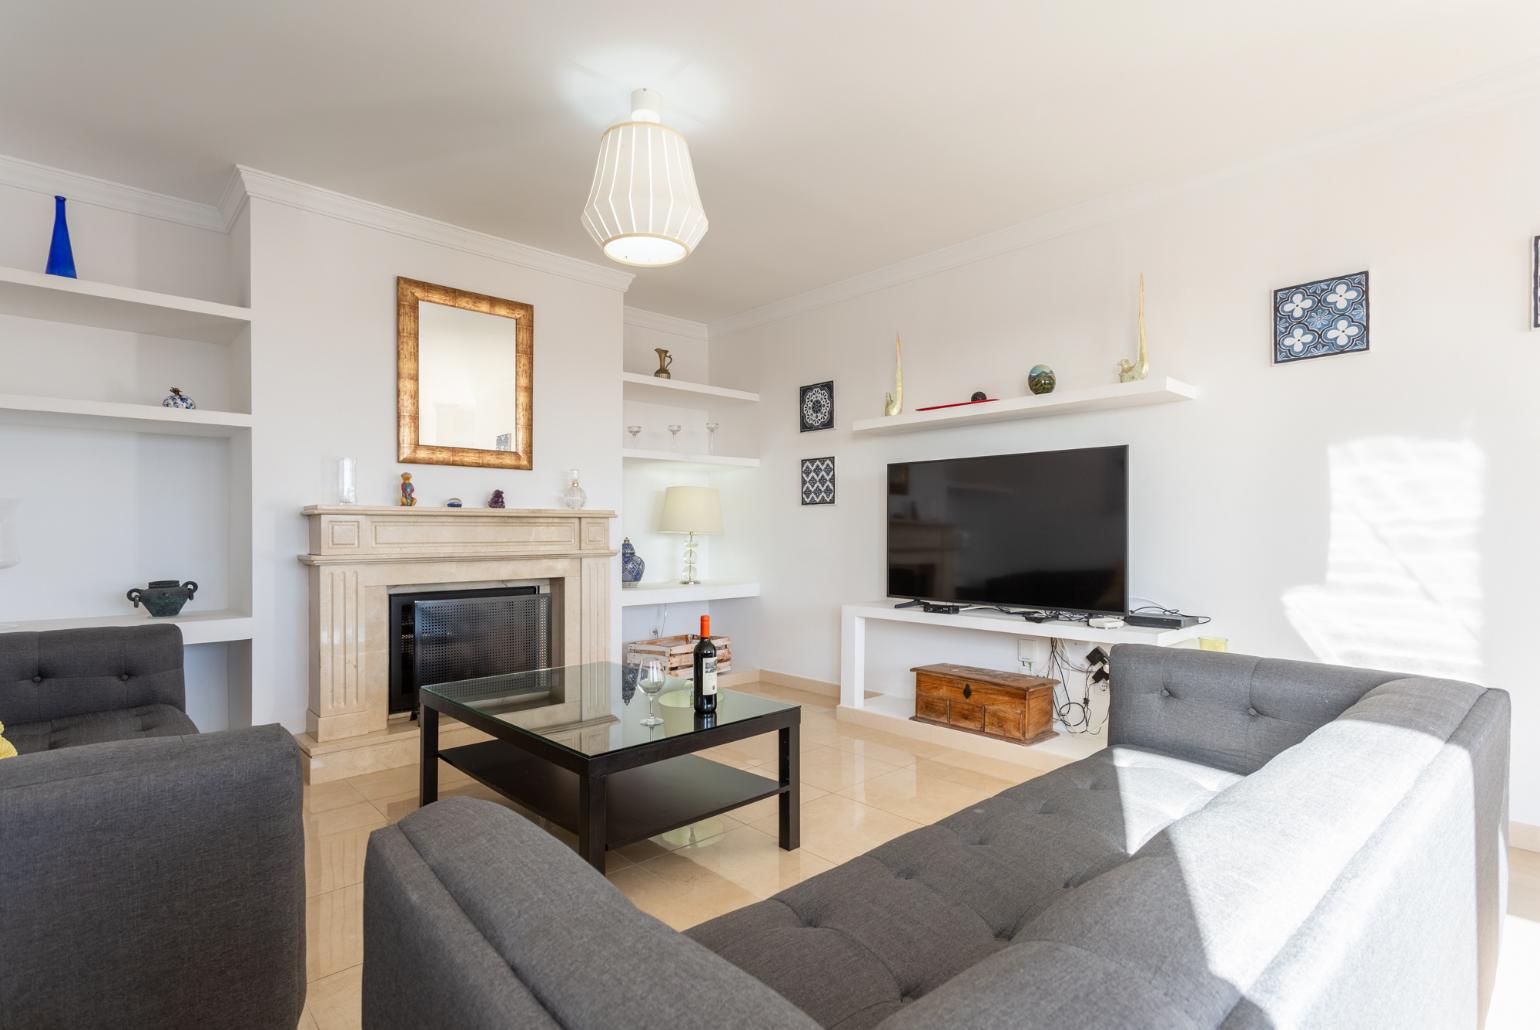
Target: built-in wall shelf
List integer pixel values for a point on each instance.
(197, 627)
(708, 462)
(68, 413)
(1143, 393)
(1016, 626)
(81, 302)
(639, 386)
(676, 593)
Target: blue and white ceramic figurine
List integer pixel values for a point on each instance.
(631, 565)
(177, 399)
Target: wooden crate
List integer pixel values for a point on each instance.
(678, 653)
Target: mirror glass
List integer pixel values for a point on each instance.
(467, 378)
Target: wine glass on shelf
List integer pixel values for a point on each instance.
(711, 436)
(635, 431)
(673, 432)
(649, 677)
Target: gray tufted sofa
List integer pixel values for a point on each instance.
(150, 875)
(1263, 844)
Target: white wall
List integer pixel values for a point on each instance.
(324, 382)
(1373, 508)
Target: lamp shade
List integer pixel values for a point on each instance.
(691, 509)
(644, 208)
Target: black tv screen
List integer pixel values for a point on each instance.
(1044, 530)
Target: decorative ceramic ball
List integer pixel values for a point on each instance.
(454, 502)
(1041, 379)
(979, 395)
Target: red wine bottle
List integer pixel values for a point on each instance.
(705, 670)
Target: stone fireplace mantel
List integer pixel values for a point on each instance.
(358, 555)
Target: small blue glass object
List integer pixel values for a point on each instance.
(61, 259)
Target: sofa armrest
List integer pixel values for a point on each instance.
(1229, 711)
(475, 918)
(154, 882)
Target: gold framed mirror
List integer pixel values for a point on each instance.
(465, 368)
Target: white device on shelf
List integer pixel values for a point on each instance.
(1105, 622)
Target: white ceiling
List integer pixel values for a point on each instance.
(830, 138)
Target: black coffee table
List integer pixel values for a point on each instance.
(569, 745)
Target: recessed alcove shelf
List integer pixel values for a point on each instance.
(214, 627)
(638, 386)
(81, 302)
(69, 413)
(1143, 393)
(708, 462)
(678, 593)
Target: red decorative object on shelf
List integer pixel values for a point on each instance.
(958, 404)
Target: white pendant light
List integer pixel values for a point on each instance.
(644, 208)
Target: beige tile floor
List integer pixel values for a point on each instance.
(859, 789)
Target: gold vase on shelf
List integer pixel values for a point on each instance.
(1128, 372)
(665, 359)
(893, 403)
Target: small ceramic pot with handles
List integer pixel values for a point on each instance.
(163, 597)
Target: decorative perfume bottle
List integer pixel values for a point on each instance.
(574, 496)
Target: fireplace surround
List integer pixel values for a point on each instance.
(359, 556)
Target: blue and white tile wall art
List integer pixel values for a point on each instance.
(818, 480)
(1328, 316)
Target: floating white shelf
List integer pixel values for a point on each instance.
(638, 386)
(68, 413)
(197, 627)
(1145, 392)
(709, 461)
(57, 299)
(1016, 626)
(675, 593)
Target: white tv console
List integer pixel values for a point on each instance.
(892, 714)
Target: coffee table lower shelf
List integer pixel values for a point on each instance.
(642, 802)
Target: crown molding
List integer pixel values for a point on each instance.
(317, 200)
(87, 189)
(665, 323)
(1491, 90)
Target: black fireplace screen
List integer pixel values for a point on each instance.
(453, 635)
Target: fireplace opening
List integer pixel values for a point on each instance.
(446, 635)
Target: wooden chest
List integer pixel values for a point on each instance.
(997, 704)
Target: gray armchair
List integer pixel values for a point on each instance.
(150, 875)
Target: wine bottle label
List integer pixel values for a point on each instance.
(708, 676)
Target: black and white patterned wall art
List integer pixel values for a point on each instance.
(815, 406)
(1317, 319)
(818, 480)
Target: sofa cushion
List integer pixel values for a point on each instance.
(1197, 917)
(855, 944)
(100, 727)
(46, 676)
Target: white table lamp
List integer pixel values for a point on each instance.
(691, 510)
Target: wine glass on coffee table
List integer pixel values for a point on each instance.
(649, 679)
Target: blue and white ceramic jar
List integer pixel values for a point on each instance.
(631, 565)
(177, 399)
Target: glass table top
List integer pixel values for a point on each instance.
(593, 709)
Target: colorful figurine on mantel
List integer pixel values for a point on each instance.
(408, 491)
(497, 500)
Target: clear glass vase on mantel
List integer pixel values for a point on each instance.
(574, 496)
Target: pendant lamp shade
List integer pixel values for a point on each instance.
(644, 208)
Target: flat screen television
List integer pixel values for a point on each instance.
(1046, 530)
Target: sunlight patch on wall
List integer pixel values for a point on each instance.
(1403, 573)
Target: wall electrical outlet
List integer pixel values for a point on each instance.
(1024, 655)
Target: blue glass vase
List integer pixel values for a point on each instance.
(61, 259)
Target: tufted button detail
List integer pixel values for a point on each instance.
(37, 679)
(123, 677)
(1164, 692)
(1253, 712)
